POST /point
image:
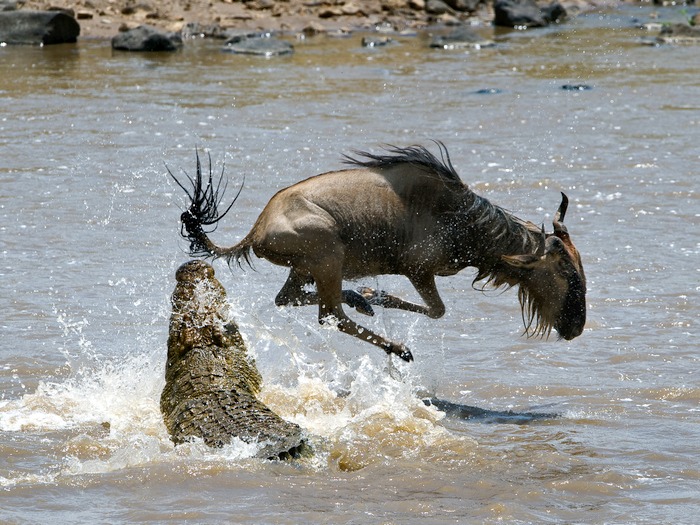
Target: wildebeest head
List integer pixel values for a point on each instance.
(552, 283)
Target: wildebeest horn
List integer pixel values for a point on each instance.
(540, 249)
(561, 212)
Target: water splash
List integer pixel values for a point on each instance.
(378, 419)
(358, 407)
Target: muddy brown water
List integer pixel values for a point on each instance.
(89, 246)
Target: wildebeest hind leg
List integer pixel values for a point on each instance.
(293, 293)
(328, 284)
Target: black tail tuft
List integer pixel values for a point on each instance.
(205, 198)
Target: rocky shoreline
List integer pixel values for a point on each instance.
(145, 25)
(106, 18)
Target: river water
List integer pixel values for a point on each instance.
(89, 245)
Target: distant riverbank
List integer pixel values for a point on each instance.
(105, 18)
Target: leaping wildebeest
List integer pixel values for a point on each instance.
(405, 212)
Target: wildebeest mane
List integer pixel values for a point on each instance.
(416, 155)
(507, 234)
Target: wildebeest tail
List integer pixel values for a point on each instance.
(202, 216)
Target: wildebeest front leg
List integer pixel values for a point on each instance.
(386, 300)
(424, 284)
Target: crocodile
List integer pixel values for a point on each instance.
(211, 382)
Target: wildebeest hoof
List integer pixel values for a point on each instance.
(401, 351)
(386, 300)
(358, 302)
(373, 296)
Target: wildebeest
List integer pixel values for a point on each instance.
(407, 213)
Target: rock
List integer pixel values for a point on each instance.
(576, 87)
(137, 9)
(554, 12)
(679, 34)
(468, 6)
(313, 28)
(211, 383)
(448, 19)
(197, 30)
(375, 41)
(146, 38)
(393, 5)
(8, 5)
(263, 45)
(352, 9)
(330, 12)
(488, 91)
(526, 13)
(261, 5)
(460, 38)
(436, 7)
(38, 27)
(517, 13)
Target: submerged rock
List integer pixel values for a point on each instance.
(38, 27)
(679, 34)
(211, 383)
(146, 38)
(488, 91)
(375, 41)
(263, 45)
(460, 38)
(576, 87)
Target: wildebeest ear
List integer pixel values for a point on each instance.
(525, 262)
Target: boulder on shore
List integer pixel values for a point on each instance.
(146, 38)
(526, 13)
(211, 383)
(38, 27)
